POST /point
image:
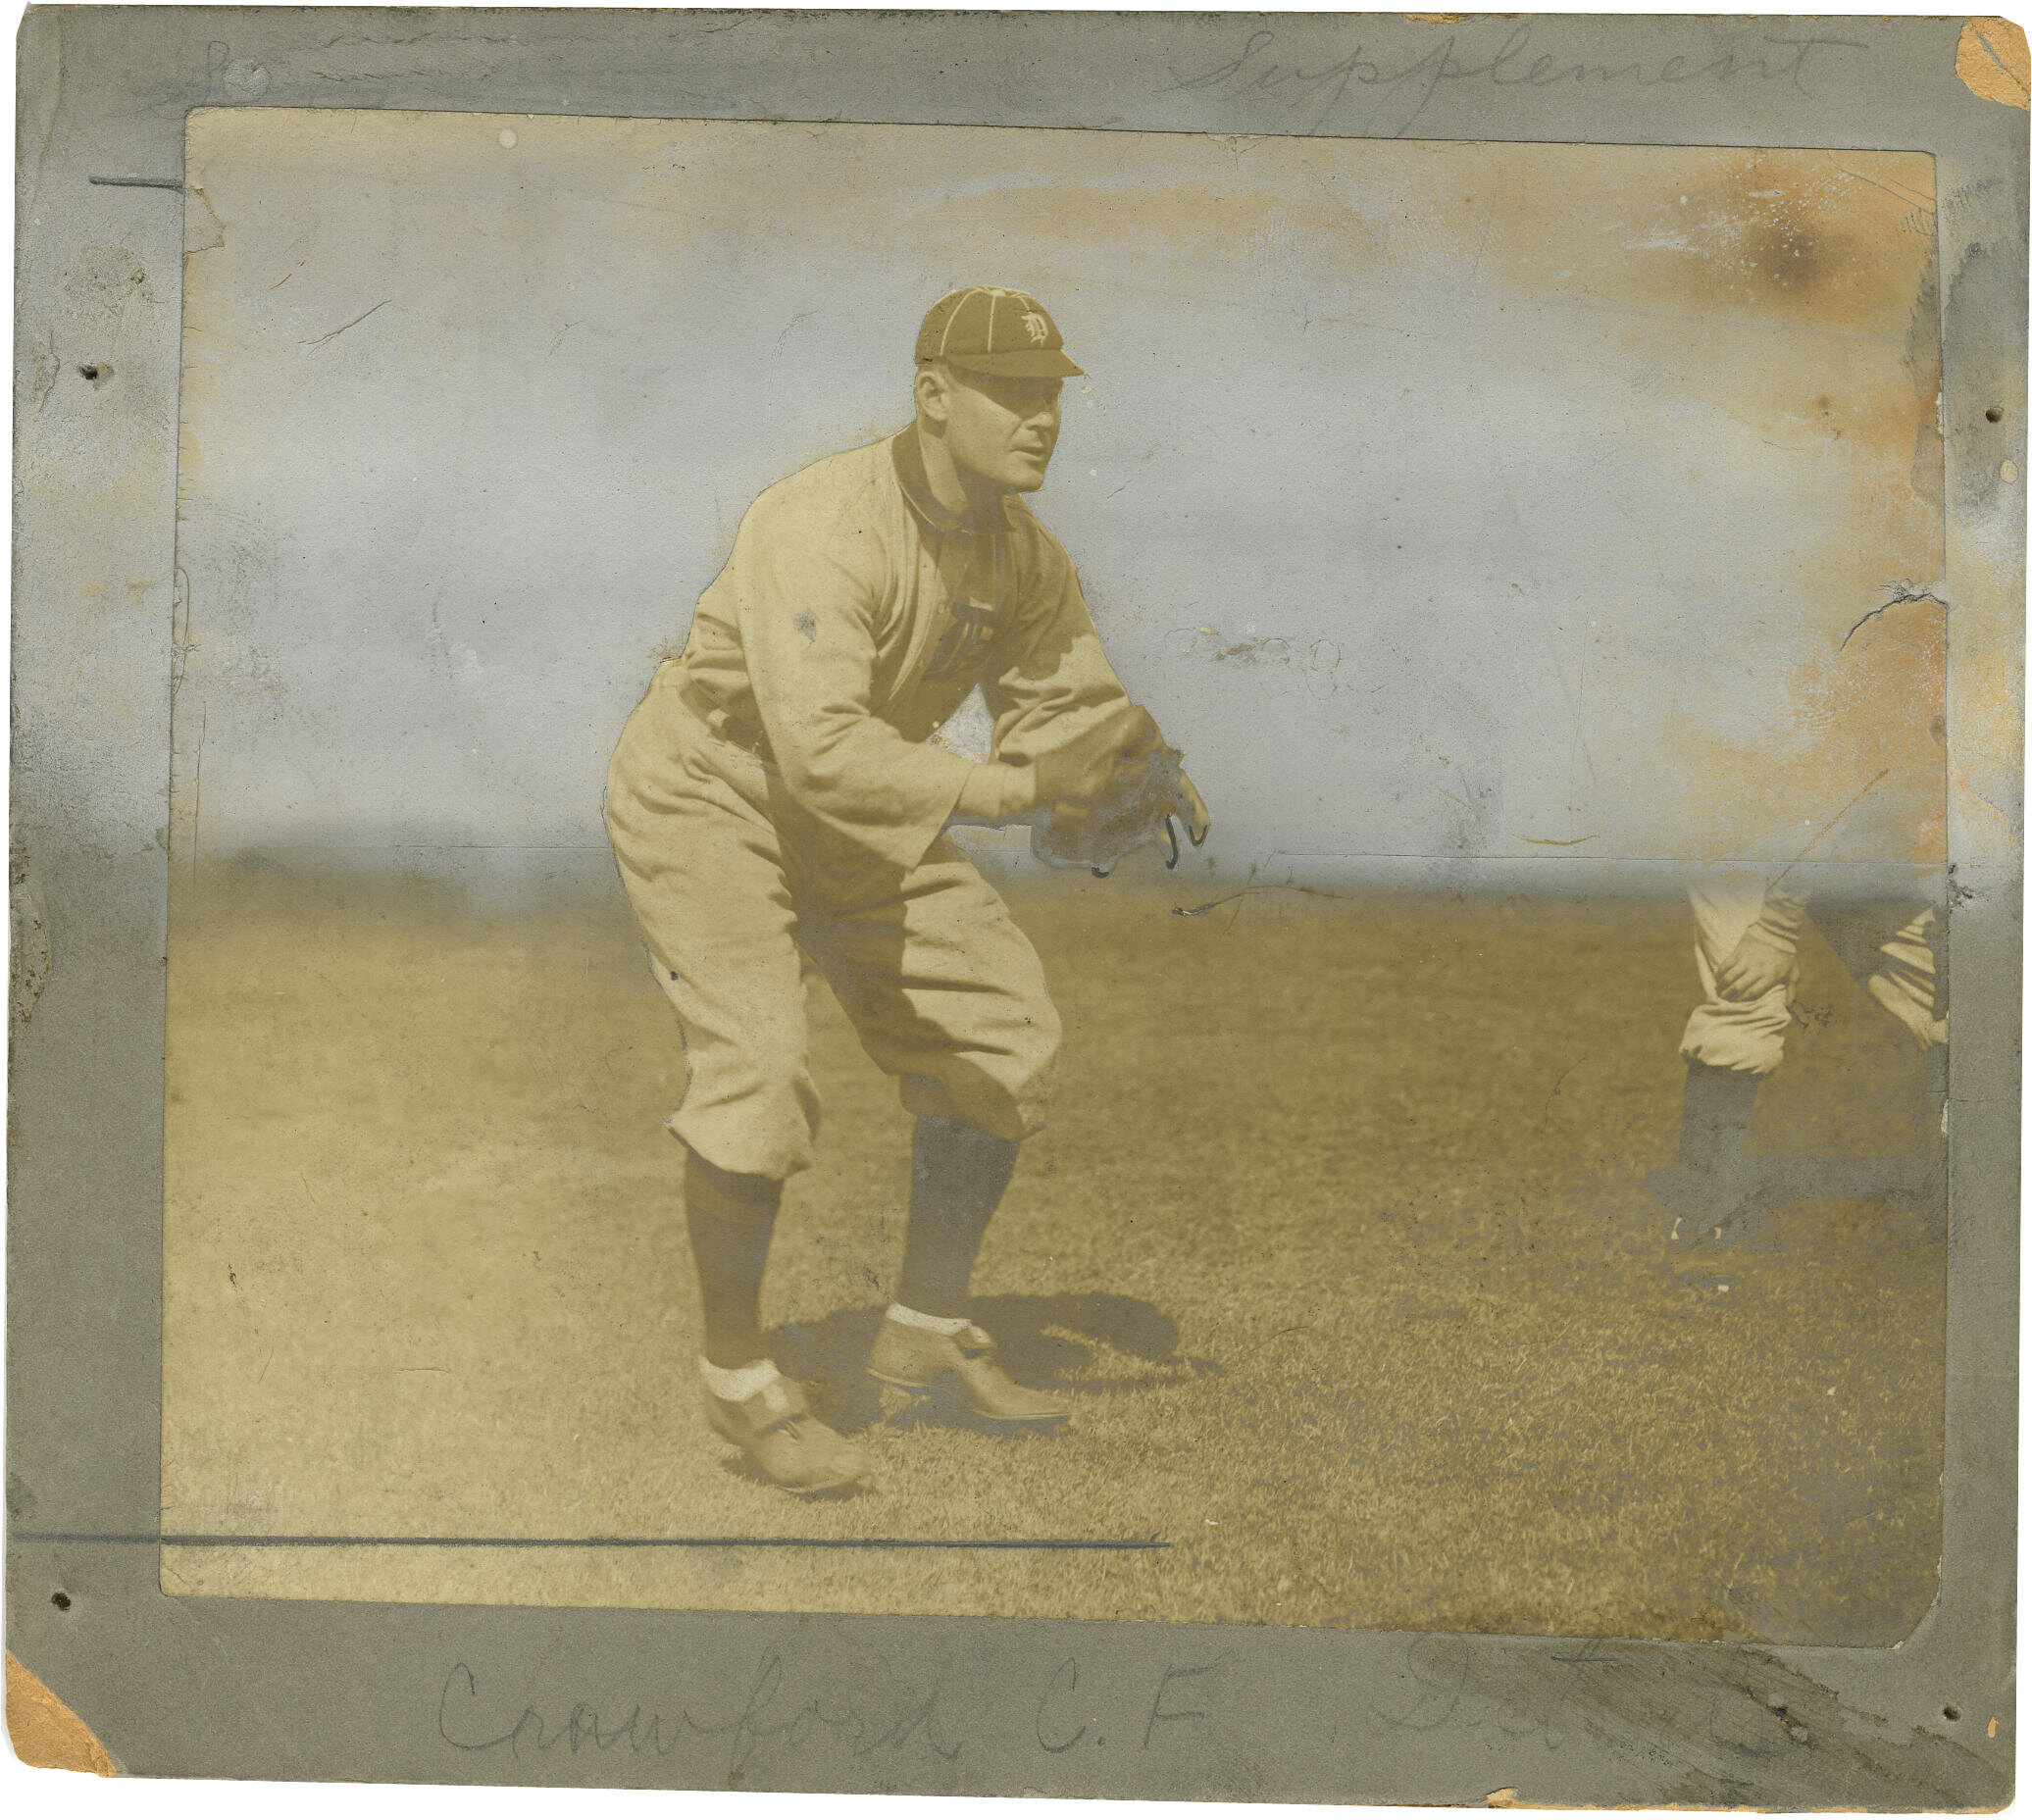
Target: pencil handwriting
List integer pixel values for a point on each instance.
(767, 1717)
(774, 1712)
(1387, 97)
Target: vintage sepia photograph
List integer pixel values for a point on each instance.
(1072, 905)
(1026, 873)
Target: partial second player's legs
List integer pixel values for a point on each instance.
(1894, 947)
(1890, 944)
(1711, 1191)
(1730, 1046)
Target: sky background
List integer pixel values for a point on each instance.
(1439, 500)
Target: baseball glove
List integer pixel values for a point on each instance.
(1143, 788)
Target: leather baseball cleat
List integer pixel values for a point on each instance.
(917, 1359)
(776, 1429)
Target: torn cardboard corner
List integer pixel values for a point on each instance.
(45, 1732)
(1994, 62)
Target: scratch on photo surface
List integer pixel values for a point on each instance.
(335, 333)
(1900, 594)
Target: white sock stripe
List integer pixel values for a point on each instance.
(932, 1323)
(737, 1385)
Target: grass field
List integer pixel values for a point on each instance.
(1338, 1229)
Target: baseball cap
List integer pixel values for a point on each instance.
(986, 328)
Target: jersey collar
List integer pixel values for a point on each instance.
(908, 460)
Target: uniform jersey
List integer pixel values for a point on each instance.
(774, 805)
(854, 617)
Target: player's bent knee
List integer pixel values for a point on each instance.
(764, 1154)
(966, 1093)
(1741, 1036)
(1737, 1052)
(1025, 1073)
(752, 1129)
(1043, 1031)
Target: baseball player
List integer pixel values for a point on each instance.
(1880, 733)
(774, 805)
(1746, 946)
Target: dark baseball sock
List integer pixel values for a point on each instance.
(1715, 1117)
(957, 1175)
(730, 1218)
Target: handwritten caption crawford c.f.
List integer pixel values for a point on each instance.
(769, 1713)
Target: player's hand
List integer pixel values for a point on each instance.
(1755, 966)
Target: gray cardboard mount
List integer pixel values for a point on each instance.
(448, 1693)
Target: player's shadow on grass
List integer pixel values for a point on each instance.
(1071, 1342)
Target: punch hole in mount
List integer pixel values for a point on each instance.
(1995, 414)
(95, 371)
(60, 1601)
(1950, 1714)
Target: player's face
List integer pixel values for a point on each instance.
(1002, 431)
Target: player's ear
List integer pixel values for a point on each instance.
(933, 394)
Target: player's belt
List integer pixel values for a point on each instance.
(735, 728)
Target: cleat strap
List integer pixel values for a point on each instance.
(775, 1404)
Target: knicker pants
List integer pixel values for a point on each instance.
(1887, 942)
(738, 896)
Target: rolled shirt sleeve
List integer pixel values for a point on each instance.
(1051, 681)
(809, 596)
